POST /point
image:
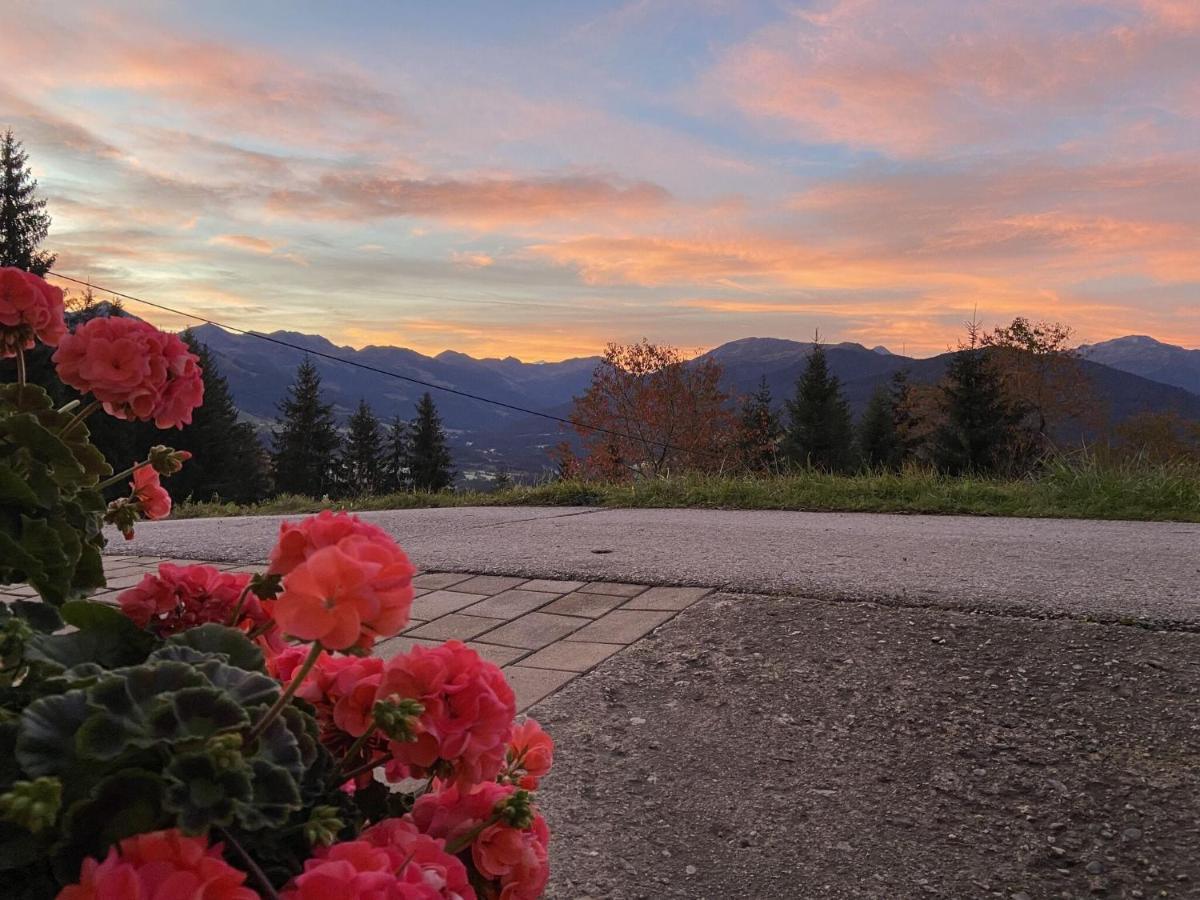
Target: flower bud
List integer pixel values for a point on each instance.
(516, 809)
(32, 804)
(225, 750)
(124, 513)
(397, 717)
(167, 461)
(323, 826)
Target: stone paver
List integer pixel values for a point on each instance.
(542, 632)
(615, 588)
(531, 685)
(441, 603)
(436, 580)
(667, 598)
(510, 604)
(590, 606)
(535, 630)
(622, 626)
(454, 627)
(571, 656)
(489, 584)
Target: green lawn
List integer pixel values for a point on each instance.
(1070, 490)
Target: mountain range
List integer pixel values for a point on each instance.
(1131, 374)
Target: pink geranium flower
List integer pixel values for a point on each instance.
(133, 369)
(529, 757)
(181, 597)
(390, 861)
(469, 707)
(150, 494)
(345, 584)
(161, 865)
(30, 310)
(515, 860)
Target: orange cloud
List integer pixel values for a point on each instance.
(479, 202)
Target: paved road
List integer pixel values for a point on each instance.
(1109, 570)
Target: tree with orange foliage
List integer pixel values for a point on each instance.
(1042, 375)
(650, 411)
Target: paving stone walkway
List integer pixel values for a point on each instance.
(543, 632)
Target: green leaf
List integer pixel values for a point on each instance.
(46, 736)
(15, 490)
(25, 397)
(105, 736)
(250, 689)
(228, 643)
(89, 570)
(204, 711)
(44, 542)
(41, 616)
(105, 636)
(46, 447)
(127, 803)
(204, 795)
(276, 797)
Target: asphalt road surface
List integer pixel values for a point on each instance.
(1111, 571)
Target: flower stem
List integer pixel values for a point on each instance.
(288, 692)
(79, 417)
(20, 365)
(268, 890)
(237, 609)
(365, 767)
(354, 748)
(464, 840)
(120, 476)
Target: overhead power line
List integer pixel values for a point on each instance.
(375, 369)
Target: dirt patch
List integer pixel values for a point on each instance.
(767, 747)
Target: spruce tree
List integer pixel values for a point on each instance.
(429, 463)
(228, 460)
(759, 430)
(877, 440)
(395, 459)
(978, 421)
(24, 222)
(363, 456)
(307, 441)
(819, 432)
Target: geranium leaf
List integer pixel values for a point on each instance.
(105, 636)
(15, 489)
(127, 803)
(276, 797)
(229, 643)
(41, 616)
(202, 794)
(46, 739)
(205, 711)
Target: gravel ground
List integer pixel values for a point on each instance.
(787, 748)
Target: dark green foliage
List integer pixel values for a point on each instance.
(819, 432)
(395, 462)
(307, 441)
(759, 431)
(228, 461)
(429, 463)
(877, 440)
(363, 463)
(979, 422)
(23, 219)
(50, 510)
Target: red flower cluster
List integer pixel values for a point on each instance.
(342, 689)
(390, 861)
(463, 733)
(150, 494)
(30, 310)
(133, 369)
(346, 583)
(182, 597)
(515, 860)
(530, 756)
(160, 865)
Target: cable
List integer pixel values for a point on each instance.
(378, 371)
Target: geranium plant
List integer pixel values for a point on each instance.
(222, 735)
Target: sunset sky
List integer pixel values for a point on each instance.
(538, 178)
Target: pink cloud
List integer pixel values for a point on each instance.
(926, 78)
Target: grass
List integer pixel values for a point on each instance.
(1081, 489)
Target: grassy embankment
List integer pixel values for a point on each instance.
(1085, 489)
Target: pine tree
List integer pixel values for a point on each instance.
(24, 222)
(228, 460)
(363, 456)
(819, 432)
(979, 421)
(395, 461)
(759, 430)
(307, 441)
(877, 439)
(429, 463)
(907, 423)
